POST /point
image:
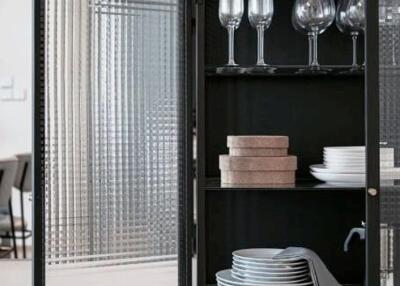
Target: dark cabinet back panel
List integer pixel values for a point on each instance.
(314, 111)
(283, 44)
(319, 220)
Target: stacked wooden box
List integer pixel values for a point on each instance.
(258, 160)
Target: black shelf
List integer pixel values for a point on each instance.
(301, 185)
(280, 70)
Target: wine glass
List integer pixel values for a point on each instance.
(315, 16)
(230, 14)
(260, 14)
(355, 11)
(345, 26)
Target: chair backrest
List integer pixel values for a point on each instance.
(23, 178)
(8, 167)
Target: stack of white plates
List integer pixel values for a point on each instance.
(346, 165)
(255, 267)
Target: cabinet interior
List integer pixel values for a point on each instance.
(314, 110)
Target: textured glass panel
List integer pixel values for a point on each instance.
(113, 119)
(389, 80)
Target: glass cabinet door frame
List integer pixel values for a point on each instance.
(185, 196)
(372, 139)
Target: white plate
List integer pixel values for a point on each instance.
(225, 277)
(320, 168)
(272, 277)
(260, 255)
(347, 178)
(354, 150)
(331, 165)
(352, 161)
(283, 266)
(281, 271)
(289, 280)
(384, 156)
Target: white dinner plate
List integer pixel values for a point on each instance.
(278, 266)
(281, 271)
(288, 280)
(225, 277)
(251, 277)
(261, 255)
(354, 150)
(351, 161)
(384, 156)
(332, 165)
(320, 168)
(348, 178)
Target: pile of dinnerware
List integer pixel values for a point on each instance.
(257, 267)
(258, 160)
(347, 165)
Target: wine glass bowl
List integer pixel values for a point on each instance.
(260, 14)
(342, 18)
(356, 14)
(314, 15)
(230, 14)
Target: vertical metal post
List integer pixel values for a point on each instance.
(38, 259)
(372, 144)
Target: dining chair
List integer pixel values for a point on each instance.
(23, 182)
(8, 169)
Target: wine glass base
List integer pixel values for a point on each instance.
(353, 70)
(231, 69)
(262, 69)
(314, 70)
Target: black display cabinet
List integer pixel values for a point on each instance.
(314, 110)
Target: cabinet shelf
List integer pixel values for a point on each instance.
(280, 70)
(213, 184)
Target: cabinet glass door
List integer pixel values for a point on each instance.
(389, 107)
(114, 141)
(383, 133)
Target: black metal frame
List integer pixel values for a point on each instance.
(186, 192)
(372, 144)
(38, 259)
(200, 132)
(24, 232)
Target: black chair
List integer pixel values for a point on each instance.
(23, 182)
(8, 169)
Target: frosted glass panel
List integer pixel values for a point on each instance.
(389, 81)
(114, 117)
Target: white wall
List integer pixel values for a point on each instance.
(15, 61)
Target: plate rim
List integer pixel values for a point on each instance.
(240, 283)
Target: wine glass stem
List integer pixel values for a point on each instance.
(260, 48)
(231, 34)
(354, 37)
(314, 62)
(310, 49)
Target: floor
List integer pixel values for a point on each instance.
(18, 273)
